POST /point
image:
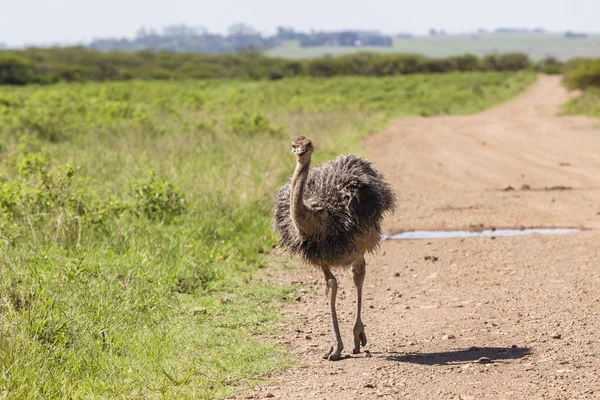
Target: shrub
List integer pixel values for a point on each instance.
(550, 65)
(364, 64)
(47, 200)
(467, 62)
(506, 62)
(439, 65)
(582, 74)
(158, 199)
(322, 68)
(194, 276)
(39, 122)
(254, 124)
(15, 70)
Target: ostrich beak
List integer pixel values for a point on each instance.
(299, 150)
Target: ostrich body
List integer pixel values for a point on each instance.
(331, 216)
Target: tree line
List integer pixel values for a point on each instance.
(183, 38)
(78, 64)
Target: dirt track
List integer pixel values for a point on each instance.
(531, 305)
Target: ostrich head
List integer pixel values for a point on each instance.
(302, 147)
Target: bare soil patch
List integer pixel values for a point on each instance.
(510, 318)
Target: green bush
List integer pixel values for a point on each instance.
(550, 65)
(54, 202)
(37, 121)
(15, 70)
(323, 68)
(506, 62)
(439, 65)
(467, 63)
(158, 199)
(587, 103)
(254, 124)
(583, 74)
(49, 200)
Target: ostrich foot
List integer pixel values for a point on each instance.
(360, 339)
(332, 355)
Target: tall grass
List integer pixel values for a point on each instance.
(134, 218)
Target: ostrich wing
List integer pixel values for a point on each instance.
(350, 195)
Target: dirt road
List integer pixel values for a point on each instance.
(449, 172)
(528, 308)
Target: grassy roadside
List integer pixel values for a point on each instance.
(583, 74)
(134, 217)
(586, 104)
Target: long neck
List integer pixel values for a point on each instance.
(304, 219)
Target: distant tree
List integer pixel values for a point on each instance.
(178, 30)
(141, 33)
(200, 30)
(512, 30)
(285, 33)
(575, 35)
(240, 29)
(347, 39)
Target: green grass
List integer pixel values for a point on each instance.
(586, 104)
(537, 46)
(116, 281)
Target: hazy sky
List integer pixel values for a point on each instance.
(47, 21)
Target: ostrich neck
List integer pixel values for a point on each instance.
(304, 219)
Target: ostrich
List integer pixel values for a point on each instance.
(331, 216)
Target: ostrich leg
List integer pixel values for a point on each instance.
(358, 271)
(337, 346)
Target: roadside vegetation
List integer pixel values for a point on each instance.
(584, 74)
(135, 220)
(588, 103)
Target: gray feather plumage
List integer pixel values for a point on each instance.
(352, 197)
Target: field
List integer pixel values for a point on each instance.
(135, 221)
(537, 46)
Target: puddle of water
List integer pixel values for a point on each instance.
(485, 233)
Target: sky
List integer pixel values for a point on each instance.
(79, 21)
